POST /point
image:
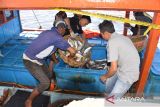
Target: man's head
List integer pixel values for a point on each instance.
(106, 29)
(84, 20)
(61, 14)
(138, 15)
(61, 26)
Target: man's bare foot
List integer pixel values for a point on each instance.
(28, 103)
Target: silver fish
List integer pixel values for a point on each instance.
(80, 45)
(76, 44)
(67, 54)
(71, 42)
(86, 51)
(79, 57)
(97, 64)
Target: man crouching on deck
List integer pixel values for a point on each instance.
(124, 59)
(43, 46)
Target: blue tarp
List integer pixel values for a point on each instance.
(155, 68)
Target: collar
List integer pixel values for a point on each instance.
(114, 35)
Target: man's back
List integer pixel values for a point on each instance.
(46, 44)
(76, 27)
(121, 48)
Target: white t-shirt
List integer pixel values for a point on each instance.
(122, 50)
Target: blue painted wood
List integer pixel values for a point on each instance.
(1, 36)
(12, 68)
(10, 29)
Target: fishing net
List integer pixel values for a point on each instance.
(72, 61)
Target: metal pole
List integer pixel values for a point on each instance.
(126, 29)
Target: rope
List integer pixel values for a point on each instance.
(40, 27)
(149, 28)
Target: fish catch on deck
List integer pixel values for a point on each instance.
(82, 59)
(82, 49)
(97, 64)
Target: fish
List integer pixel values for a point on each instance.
(87, 51)
(82, 50)
(97, 65)
(76, 44)
(71, 42)
(67, 54)
(80, 45)
(79, 57)
(105, 67)
(73, 35)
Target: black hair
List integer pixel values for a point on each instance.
(86, 17)
(138, 13)
(62, 14)
(106, 26)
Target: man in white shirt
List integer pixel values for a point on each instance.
(124, 59)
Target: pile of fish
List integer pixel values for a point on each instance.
(97, 64)
(83, 50)
(83, 55)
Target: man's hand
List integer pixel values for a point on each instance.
(103, 78)
(112, 70)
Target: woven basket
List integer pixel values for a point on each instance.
(138, 41)
(71, 61)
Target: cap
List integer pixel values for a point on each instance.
(61, 24)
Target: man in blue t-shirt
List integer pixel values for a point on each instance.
(43, 46)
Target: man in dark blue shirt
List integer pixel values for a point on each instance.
(139, 29)
(43, 46)
(77, 23)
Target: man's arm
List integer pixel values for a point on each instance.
(112, 70)
(53, 58)
(72, 51)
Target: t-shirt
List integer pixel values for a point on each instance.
(76, 27)
(122, 50)
(45, 45)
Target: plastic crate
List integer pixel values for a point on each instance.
(80, 79)
(152, 87)
(98, 53)
(97, 41)
(86, 80)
